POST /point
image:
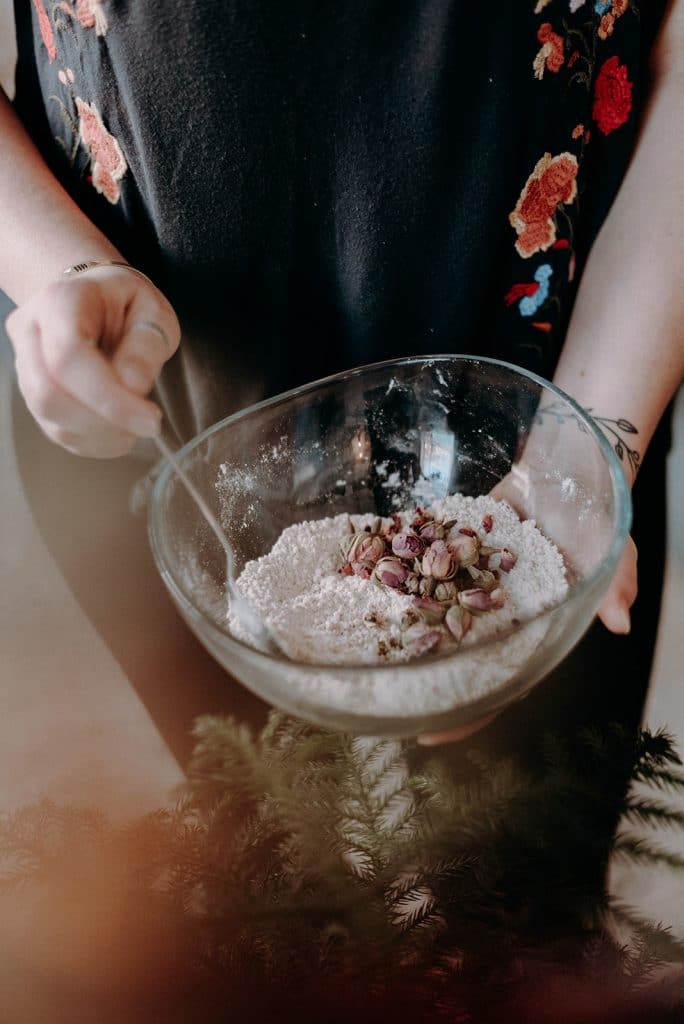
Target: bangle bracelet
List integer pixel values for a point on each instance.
(80, 268)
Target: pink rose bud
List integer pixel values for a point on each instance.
(365, 548)
(391, 572)
(488, 523)
(430, 611)
(429, 641)
(467, 531)
(446, 591)
(438, 561)
(466, 550)
(412, 584)
(363, 569)
(407, 545)
(483, 579)
(508, 560)
(503, 559)
(432, 531)
(479, 601)
(458, 622)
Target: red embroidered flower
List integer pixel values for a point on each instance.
(108, 163)
(551, 57)
(46, 32)
(552, 182)
(612, 96)
(520, 291)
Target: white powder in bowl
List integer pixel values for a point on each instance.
(324, 618)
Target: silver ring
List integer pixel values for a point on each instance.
(150, 325)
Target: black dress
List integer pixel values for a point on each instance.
(316, 186)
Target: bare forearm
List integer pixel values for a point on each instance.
(624, 354)
(42, 231)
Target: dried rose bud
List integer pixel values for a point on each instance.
(407, 545)
(427, 586)
(346, 570)
(465, 550)
(430, 611)
(422, 645)
(478, 601)
(439, 561)
(421, 517)
(412, 583)
(467, 531)
(458, 621)
(483, 579)
(508, 560)
(488, 523)
(393, 526)
(365, 548)
(390, 571)
(502, 559)
(446, 591)
(414, 631)
(363, 569)
(432, 531)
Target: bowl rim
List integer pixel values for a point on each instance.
(620, 489)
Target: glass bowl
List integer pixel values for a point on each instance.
(374, 439)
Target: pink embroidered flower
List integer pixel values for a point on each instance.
(552, 182)
(606, 25)
(88, 13)
(612, 96)
(607, 22)
(108, 164)
(551, 57)
(46, 32)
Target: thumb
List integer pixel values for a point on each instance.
(614, 609)
(150, 337)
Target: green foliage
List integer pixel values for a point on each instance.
(322, 873)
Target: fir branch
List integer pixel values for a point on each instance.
(653, 813)
(641, 851)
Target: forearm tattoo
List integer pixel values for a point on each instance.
(616, 429)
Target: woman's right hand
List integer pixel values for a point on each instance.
(88, 349)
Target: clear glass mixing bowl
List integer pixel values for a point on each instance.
(382, 437)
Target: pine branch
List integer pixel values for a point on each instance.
(642, 851)
(653, 813)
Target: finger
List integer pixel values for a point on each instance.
(620, 596)
(61, 417)
(77, 367)
(151, 336)
(141, 355)
(434, 739)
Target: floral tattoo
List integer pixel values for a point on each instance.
(614, 428)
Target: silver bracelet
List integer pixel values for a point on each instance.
(80, 268)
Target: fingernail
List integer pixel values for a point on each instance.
(145, 426)
(624, 620)
(134, 378)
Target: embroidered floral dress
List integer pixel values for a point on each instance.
(318, 186)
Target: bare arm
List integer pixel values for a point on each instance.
(89, 402)
(624, 354)
(42, 230)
